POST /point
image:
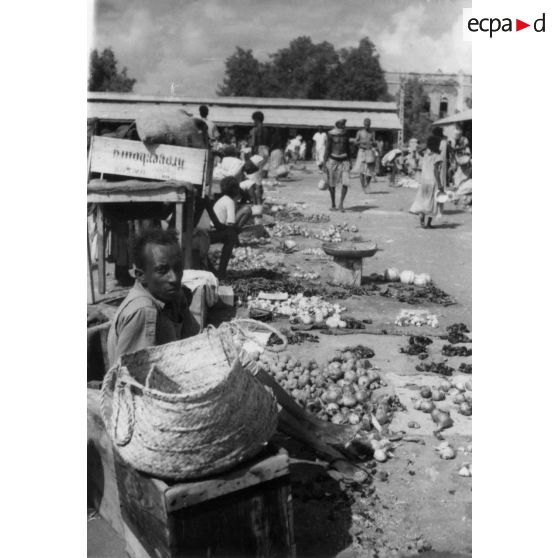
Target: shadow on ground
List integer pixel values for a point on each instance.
(360, 208)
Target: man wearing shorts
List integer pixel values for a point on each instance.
(338, 162)
(366, 157)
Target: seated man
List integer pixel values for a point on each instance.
(156, 310)
(223, 222)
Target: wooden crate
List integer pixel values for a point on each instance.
(246, 512)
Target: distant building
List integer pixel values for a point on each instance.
(448, 93)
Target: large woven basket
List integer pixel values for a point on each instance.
(187, 409)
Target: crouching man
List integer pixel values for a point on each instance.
(156, 310)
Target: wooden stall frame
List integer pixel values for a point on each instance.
(199, 170)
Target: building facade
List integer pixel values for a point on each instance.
(447, 93)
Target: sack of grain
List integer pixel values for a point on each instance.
(172, 126)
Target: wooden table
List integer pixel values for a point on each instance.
(102, 192)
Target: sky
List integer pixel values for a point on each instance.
(188, 41)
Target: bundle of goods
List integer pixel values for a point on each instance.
(416, 318)
(465, 368)
(186, 409)
(171, 126)
(456, 334)
(418, 345)
(246, 259)
(452, 350)
(437, 401)
(301, 309)
(341, 391)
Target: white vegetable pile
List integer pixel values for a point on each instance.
(290, 229)
(299, 273)
(340, 391)
(331, 234)
(440, 400)
(407, 277)
(302, 309)
(416, 318)
(246, 258)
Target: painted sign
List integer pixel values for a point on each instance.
(157, 162)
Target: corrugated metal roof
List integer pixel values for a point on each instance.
(242, 116)
(459, 117)
(252, 102)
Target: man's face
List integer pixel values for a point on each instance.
(162, 275)
(367, 123)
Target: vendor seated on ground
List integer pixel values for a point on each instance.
(156, 310)
(221, 223)
(230, 165)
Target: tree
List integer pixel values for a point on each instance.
(417, 121)
(359, 76)
(309, 71)
(302, 70)
(104, 74)
(243, 75)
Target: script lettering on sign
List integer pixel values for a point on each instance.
(139, 160)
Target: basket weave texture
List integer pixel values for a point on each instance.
(187, 409)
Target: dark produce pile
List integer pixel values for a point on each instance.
(456, 334)
(293, 337)
(411, 294)
(465, 368)
(271, 281)
(435, 367)
(418, 345)
(452, 350)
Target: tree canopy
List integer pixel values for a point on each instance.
(417, 119)
(104, 74)
(307, 70)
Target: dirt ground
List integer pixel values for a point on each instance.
(416, 502)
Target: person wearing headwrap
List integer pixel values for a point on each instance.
(426, 204)
(338, 162)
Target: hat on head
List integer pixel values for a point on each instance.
(341, 121)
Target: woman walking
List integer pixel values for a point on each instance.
(425, 203)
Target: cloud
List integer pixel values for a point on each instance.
(188, 41)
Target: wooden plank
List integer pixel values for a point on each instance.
(171, 196)
(157, 161)
(188, 494)
(102, 490)
(134, 548)
(143, 509)
(253, 522)
(179, 219)
(101, 286)
(189, 232)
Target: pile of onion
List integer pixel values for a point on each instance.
(340, 391)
